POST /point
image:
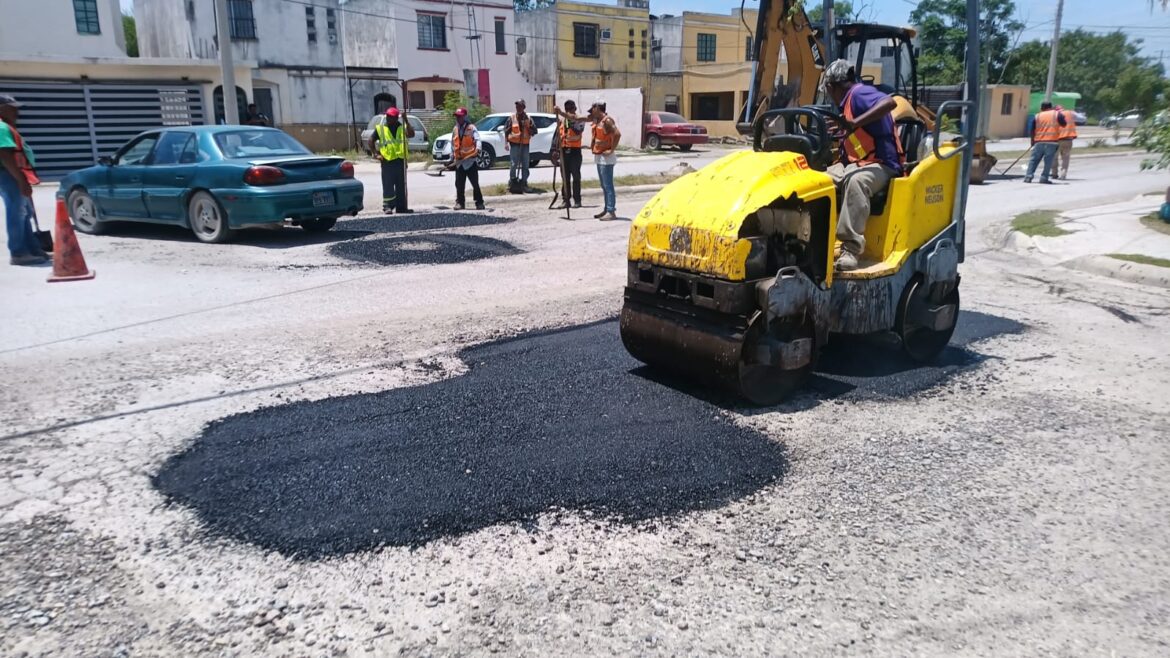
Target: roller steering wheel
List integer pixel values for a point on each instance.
(806, 130)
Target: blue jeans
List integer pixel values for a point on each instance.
(18, 212)
(605, 175)
(1045, 151)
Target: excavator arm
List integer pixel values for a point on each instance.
(783, 25)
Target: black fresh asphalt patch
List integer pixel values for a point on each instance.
(428, 249)
(565, 419)
(423, 222)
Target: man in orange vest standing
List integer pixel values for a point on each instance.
(1045, 142)
(606, 138)
(870, 155)
(465, 150)
(1068, 133)
(571, 129)
(519, 129)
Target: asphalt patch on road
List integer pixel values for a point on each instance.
(429, 249)
(558, 420)
(423, 222)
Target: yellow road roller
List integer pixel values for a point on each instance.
(731, 277)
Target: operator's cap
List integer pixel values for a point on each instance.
(838, 72)
(10, 101)
(521, 102)
(461, 112)
(392, 112)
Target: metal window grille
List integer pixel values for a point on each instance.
(331, 24)
(241, 21)
(585, 39)
(706, 51)
(85, 14)
(311, 24)
(432, 31)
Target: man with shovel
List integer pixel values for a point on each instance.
(465, 151)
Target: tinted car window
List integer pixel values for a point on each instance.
(543, 122)
(171, 148)
(491, 123)
(670, 117)
(138, 151)
(258, 143)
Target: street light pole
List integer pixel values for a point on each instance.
(1052, 58)
(827, 11)
(231, 111)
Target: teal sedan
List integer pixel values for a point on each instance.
(213, 180)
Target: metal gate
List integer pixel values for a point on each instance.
(70, 125)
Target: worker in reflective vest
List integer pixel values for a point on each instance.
(606, 138)
(519, 129)
(388, 143)
(465, 145)
(871, 155)
(572, 127)
(1068, 134)
(1046, 133)
(17, 177)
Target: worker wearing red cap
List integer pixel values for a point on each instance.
(465, 159)
(388, 143)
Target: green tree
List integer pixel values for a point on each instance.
(130, 28)
(942, 27)
(842, 12)
(452, 102)
(528, 5)
(1154, 136)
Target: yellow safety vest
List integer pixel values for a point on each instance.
(391, 146)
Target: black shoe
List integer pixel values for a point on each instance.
(405, 212)
(459, 206)
(532, 190)
(388, 211)
(601, 214)
(479, 206)
(577, 203)
(1045, 181)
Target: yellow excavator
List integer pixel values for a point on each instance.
(730, 273)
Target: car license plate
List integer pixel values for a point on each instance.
(323, 199)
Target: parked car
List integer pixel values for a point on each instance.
(213, 180)
(1130, 119)
(495, 144)
(670, 129)
(420, 142)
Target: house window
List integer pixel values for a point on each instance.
(440, 97)
(190, 10)
(631, 46)
(585, 39)
(241, 22)
(706, 47)
(671, 104)
(643, 49)
(331, 24)
(86, 16)
(418, 100)
(1005, 107)
(501, 44)
(311, 24)
(747, 49)
(888, 51)
(432, 31)
(656, 57)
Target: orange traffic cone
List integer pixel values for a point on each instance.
(68, 263)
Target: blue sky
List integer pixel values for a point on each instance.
(1133, 16)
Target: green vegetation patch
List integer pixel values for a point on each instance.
(1142, 258)
(1153, 221)
(1039, 223)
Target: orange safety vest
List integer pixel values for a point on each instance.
(602, 141)
(464, 142)
(519, 134)
(570, 139)
(22, 162)
(1047, 127)
(860, 146)
(1069, 129)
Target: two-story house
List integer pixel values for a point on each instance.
(716, 60)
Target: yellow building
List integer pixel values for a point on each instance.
(716, 63)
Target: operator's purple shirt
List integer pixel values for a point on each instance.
(882, 130)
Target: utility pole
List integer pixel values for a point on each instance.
(1052, 59)
(231, 111)
(827, 10)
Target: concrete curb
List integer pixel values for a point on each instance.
(1150, 275)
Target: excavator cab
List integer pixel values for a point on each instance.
(730, 268)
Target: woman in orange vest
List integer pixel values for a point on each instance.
(519, 129)
(1045, 141)
(606, 138)
(571, 129)
(16, 180)
(465, 152)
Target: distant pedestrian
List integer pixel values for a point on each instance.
(388, 143)
(17, 177)
(255, 117)
(1068, 134)
(465, 145)
(520, 129)
(606, 137)
(1045, 141)
(572, 127)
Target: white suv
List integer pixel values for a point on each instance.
(494, 144)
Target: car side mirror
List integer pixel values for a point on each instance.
(106, 161)
(499, 129)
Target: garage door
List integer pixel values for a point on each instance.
(70, 125)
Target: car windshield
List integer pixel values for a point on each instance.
(491, 123)
(253, 143)
(670, 117)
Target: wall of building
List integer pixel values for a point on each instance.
(538, 63)
(668, 33)
(1012, 98)
(371, 36)
(665, 87)
(720, 85)
(624, 105)
(613, 66)
(44, 28)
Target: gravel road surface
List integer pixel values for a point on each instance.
(200, 443)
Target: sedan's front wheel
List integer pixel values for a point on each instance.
(207, 218)
(83, 212)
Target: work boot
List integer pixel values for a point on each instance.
(846, 262)
(28, 259)
(479, 206)
(1045, 181)
(532, 190)
(1027, 179)
(459, 206)
(407, 211)
(608, 217)
(601, 214)
(577, 203)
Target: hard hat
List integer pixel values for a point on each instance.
(461, 112)
(392, 112)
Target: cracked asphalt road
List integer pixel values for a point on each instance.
(1013, 504)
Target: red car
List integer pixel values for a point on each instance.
(670, 129)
